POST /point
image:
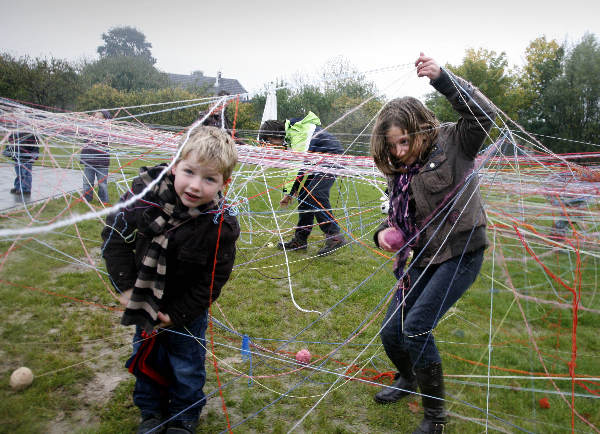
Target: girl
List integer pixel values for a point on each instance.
(435, 211)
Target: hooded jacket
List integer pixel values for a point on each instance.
(306, 135)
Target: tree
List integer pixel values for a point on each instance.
(571, 101)
(544, 65)
(125, 41)
(47, 82)
(489, 72)
(337, 96)
(124, 73)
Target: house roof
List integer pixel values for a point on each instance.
(217, 85)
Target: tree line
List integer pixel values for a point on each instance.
(556, 94)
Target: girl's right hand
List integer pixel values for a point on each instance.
(427, 67)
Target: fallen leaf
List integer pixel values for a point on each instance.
(544, 403)
(413, 406)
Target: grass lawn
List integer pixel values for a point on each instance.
(515, 326)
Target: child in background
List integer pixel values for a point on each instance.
(95, 158)
(160, 253)
(305, 135)
(435, 211)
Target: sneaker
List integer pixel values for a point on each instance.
(293, 244)
(182, 427)
(149, 423)
(332, 244)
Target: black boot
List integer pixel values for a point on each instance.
(332, 243)
(431, 385)
(404, 383)
(294, 244)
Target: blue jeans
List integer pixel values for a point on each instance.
(432, 292)
(185, 356)
(90, 174)
(24, 178)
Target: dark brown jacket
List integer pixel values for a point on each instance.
(190, 255)
(445, 193)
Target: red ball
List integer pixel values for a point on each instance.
(303, 356)
(394, 238)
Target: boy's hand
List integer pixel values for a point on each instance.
(125, 296)
(427, 67)
(165, 320)
(287, 199)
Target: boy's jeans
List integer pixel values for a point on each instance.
(23, 171)
(185, 356)
(90, 174)
(433, 291)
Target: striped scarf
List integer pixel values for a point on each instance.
(400, 216)
(144, 304)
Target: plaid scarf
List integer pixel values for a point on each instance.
(400, 216)
(169, 213)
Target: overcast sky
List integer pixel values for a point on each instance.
(258, 41)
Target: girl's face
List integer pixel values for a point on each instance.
(398, 141)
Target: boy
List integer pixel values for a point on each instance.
(305, 135)
(160, 254)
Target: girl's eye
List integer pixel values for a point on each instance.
(188, 171)
(210, 179)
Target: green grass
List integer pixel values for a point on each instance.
(57, 320)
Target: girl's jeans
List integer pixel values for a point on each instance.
(432, 292)
(184, 355)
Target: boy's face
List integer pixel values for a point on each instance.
(196, 183)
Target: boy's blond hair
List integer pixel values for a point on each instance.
(211, 145)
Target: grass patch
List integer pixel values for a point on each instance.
(60, 320)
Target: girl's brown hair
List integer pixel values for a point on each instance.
(409, 114)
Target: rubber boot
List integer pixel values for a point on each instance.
(404, 382)
(431, 385)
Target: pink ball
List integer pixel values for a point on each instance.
(303, 356)
(394, 238)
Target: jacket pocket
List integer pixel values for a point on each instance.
(437, 175)
(197, 256)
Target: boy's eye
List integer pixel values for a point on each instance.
(188, 171)
(210, 179)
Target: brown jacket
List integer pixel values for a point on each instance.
(445, 193)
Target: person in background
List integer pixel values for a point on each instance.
(435, 212)
(312, 190)
(95, 157)
(23, 149)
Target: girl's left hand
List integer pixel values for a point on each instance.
(165, 320)
(427, 67)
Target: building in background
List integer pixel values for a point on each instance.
(214, 85)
